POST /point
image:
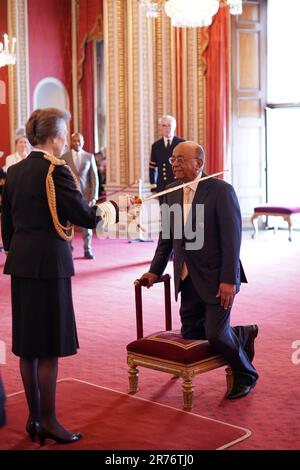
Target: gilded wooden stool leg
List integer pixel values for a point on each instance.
(288, 219)
(188, 391)
(254, 222)
(133, 376)
(229, 378)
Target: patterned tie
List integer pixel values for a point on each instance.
(187, 192)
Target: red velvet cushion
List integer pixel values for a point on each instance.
(171, 346)
(266, 209)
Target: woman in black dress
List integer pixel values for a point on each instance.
(40, 201)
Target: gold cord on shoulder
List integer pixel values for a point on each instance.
(66, 233)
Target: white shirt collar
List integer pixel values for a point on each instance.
(166, 140)
(20, 156)
(194, 186)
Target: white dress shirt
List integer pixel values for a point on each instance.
(76, 159)
(188, 196)
(166, 140)
(12, 160)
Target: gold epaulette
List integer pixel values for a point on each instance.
(54, 160)
(66, 233)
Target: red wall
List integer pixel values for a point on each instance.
(50, 43)
(4, 108)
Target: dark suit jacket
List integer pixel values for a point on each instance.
(160, 170)
(87, 174)
(35, 248)
(218, 260)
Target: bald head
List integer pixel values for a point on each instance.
(77, 141)
(188, 160)
(192, 148)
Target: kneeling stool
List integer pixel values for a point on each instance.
(167, 351)
(286, 212)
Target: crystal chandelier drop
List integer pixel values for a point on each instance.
(7, 52)
(235, 6)
(189, 13)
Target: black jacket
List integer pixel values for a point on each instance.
(160, 170)
(35, 249)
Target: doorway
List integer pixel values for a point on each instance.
(283, 105)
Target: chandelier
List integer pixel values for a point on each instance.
(189, 13)
(7, 52)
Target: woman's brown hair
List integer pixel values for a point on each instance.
(44, 124)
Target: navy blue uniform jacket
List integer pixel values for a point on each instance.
(35, 249)
(160, 169)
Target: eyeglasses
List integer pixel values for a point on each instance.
(181, 159)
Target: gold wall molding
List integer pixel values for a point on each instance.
(112, 92)
(202, 44)
(123, 90)
(151, 69)
(74, 10)
(190, 111)
(18, 74)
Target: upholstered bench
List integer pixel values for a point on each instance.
(286, 212)
(167, 351)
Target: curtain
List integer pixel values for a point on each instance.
(90, 28)
(217, 57)
(87, 99)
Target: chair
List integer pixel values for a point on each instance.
(286, 212)
(167, 351)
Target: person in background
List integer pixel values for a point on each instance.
(160, 170)
(83, 164)
(100, 158)
(22, 148)
(207, 268)
(40, 201)
(2, 181)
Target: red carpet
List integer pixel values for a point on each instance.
(114, 420)
(104, 306)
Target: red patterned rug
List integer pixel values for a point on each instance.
(113, 420)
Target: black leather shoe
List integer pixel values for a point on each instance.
(249, 345)
(240, 390)
(32, 427)
(89, 255)
(43, 434)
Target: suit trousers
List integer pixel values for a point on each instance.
(87, 235)
(201, 320)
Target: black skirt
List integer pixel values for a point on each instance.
(43, 320)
